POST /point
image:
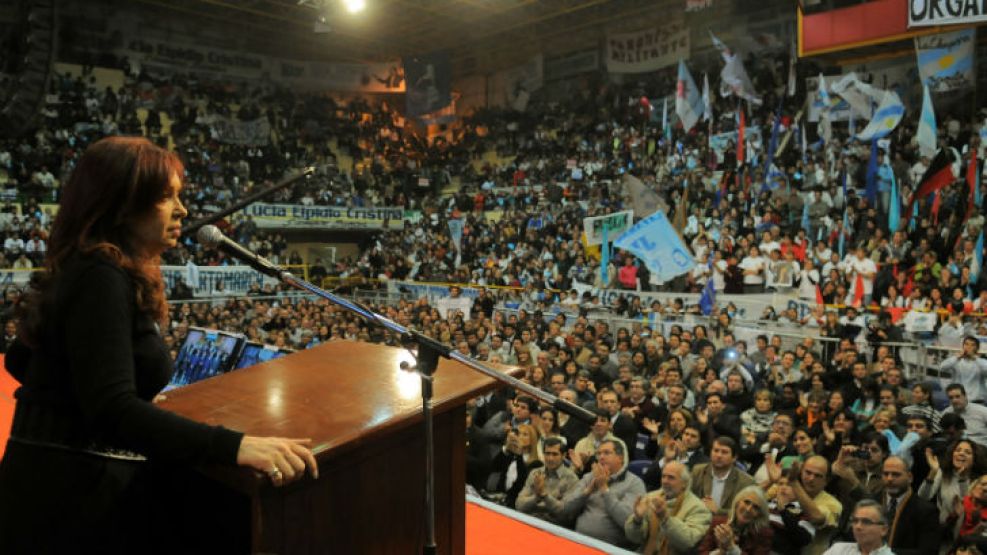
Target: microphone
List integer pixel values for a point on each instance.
(210, 236)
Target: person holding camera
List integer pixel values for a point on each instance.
(969, 370)
(859, 468)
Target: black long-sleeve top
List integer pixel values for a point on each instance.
(99, 364)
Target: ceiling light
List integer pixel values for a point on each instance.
(355, 6)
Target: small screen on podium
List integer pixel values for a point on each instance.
(204, 354)
(255, 353)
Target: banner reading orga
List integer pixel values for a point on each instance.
(647, 50)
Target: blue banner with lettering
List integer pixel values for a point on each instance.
(654, 241)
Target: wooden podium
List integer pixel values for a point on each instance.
(363, 415)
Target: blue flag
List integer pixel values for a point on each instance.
(772, 145)
(871, 191)
(978, 253)
(605, 254)
(708, 298)
(656, 242)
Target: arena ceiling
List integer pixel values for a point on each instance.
(483, 35)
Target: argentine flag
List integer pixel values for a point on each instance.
(886, 118)
(927, 126)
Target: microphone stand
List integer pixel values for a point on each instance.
(427, 361)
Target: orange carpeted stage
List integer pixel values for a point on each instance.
(7, 387)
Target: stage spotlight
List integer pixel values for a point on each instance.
(355, 6)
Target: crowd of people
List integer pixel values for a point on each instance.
(701, 441)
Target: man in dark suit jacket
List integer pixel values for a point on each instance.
(621, 425)
(718, 419)
(914, 522)
(690, 453)
(719, 480)
(571, 428)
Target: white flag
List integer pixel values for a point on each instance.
(733, 77)
(688, 103)
(927, 126)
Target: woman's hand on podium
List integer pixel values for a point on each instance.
(282, 460)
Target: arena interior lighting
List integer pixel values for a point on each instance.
(355, 6)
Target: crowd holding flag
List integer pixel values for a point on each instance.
(873, 114)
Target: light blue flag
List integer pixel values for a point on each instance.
(688, 102)
(894, 211)
(926, 135)
(978, 253)
(665, 127)
(655, 241)
(605, 254)
(887, 116)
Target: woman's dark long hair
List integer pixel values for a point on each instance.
(117, 182)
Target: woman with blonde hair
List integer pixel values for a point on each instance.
(747, 530)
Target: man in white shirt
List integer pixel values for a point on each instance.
(919, 169)
(973, 414)
(860, 265)
(753, 266)
(969, 369)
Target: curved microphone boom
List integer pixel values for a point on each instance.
(213, 218)
(210, 236)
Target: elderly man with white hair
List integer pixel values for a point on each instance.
(670, 520)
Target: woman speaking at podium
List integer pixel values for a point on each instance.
(74, 476)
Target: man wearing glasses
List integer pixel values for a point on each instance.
(604, 498)
(779, 444)
(870, 526)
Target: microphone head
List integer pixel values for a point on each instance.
(210, 236)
